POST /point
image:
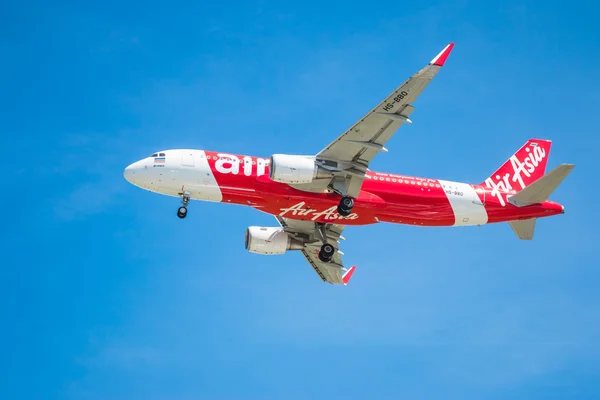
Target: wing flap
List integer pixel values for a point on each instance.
(327, 273)
(332, 272)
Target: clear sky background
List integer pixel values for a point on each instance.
(106, 294)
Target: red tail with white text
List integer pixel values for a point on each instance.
(524, 167)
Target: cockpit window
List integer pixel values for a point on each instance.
(162, 154)
(154, 155)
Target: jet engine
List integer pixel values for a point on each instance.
(266, 240)
(286, 168)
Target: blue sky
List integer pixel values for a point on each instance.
(105, 294)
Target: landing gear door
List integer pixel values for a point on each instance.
(187, 159)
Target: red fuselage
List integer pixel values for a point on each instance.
(383, 198)
(244, 180)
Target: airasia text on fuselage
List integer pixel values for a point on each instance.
(301, 209)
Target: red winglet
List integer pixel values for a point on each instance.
(440, 59)
(348, 275)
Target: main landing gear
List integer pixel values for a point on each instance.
(326, 253)
(185, 200)
(345, 206)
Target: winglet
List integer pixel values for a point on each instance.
(440, 59)
(346, 277)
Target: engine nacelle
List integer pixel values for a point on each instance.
(267, 240)
(287, 168)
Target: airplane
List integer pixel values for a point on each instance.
(314, 197)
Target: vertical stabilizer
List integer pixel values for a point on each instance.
(525, 166)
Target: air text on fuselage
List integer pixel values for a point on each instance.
(230, 164)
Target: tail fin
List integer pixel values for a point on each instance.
(525, 166)
(540, 190)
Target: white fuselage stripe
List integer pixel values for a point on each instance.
(466, 205)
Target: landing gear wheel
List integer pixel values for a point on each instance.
(326, 252)
(345, 206)
(185, 200)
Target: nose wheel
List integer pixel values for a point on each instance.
(326, 252)
(345, 206)
(185, 200)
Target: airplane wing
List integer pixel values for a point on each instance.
(334, 271)
(350, 154)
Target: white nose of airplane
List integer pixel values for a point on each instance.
(133, 171)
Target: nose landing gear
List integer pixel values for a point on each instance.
(185, 200)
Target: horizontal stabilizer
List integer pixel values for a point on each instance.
(523, 228)
(540, 190)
